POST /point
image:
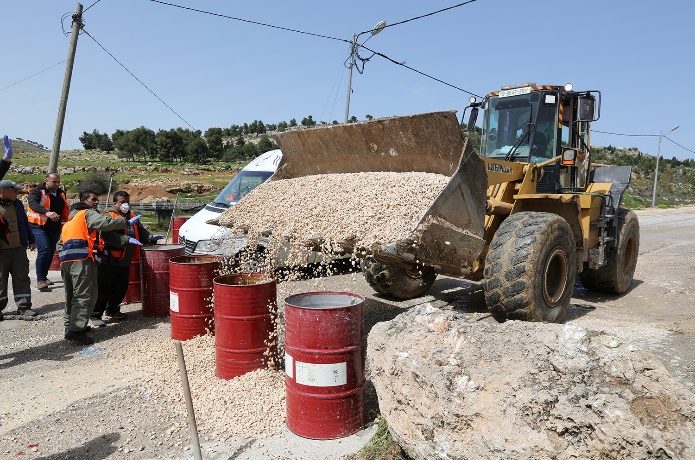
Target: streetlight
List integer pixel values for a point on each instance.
(353, 50)
(658, 154)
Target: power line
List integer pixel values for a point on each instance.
(90, 6)
(42, 71)
(403, 64)
(251, 22)
(139, 81)
(428, 14)
(684, 148)
(622, 134)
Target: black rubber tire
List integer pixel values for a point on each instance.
(616, 276)
(530, 268)
(396, 281)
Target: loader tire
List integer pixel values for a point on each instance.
(616, 276)
(530, 268)
(396, 281)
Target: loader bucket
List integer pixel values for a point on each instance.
(449, 237)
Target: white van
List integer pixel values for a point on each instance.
(202, 238)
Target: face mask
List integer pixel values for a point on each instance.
(125, 207)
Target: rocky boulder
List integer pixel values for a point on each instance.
(460, 387)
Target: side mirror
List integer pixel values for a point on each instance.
(587, 109)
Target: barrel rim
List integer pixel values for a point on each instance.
(208, 259)
(360, 299)
(162, 247)
(270, 279)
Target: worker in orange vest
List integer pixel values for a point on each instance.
(48, 210)
(81, 252)
(114, 271)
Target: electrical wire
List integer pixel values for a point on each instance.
(684, 148)
(426, 15)
(30, 76)
(85, 10)
(139, 81)
(622, 134)
(250, 22)
(403, 64)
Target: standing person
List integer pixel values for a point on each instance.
(6, 161)
(15, 237)
(81, 252)
(123, 247)
(48, 210)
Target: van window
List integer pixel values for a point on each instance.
(240, 186)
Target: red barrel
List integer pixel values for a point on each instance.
(190, 295)
(154, 266)
(245, 310)
(176, 224)
(55, 262)
(134, 292)
(324, 364)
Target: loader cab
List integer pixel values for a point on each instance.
(534, 124)
(521, 125)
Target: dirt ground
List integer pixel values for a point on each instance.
(64, 401)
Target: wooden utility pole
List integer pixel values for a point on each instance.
(76, 26)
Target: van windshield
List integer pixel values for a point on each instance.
(240, 186)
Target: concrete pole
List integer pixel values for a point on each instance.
(76, 25)
(656, 173)
(352, 64)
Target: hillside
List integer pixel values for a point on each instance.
(157, 180)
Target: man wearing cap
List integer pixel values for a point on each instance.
(15, 237)
(48, 211)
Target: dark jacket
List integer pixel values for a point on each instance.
(26, 236)
(4, 167)
(57, 206)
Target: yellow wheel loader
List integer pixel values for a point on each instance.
(524, 215)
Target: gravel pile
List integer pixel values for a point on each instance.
(252, 405)
(365, 209)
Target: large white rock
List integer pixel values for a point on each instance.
(452, 387)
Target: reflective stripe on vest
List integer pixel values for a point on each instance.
(78, 242)
(118, 253)
(45, 201)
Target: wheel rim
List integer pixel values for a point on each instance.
(555, 277)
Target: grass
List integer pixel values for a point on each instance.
(381, 446)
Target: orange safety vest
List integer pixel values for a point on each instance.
(118, 253)
(78, 242)
(40, 219)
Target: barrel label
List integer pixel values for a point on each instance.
(288, 365)
(174, 301)
(321, 375)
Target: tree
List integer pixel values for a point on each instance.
(87, 140)
(282, 126)
(170, 146)
(213, 136)
(96, 140)
(308, 121)
(265, 143)
(139, 142)
(197, 151)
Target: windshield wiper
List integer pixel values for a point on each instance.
(525, 134)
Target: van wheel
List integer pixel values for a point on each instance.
(530, 268)
(396, 281)
(616, 276)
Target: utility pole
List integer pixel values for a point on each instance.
(76, 26)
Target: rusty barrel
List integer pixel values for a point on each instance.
(245, 310)
(154, 269)
(55, 262)
(324, 364)
(176, 224)
(190, 295)
(134, 292)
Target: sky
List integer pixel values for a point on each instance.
(199, 70)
